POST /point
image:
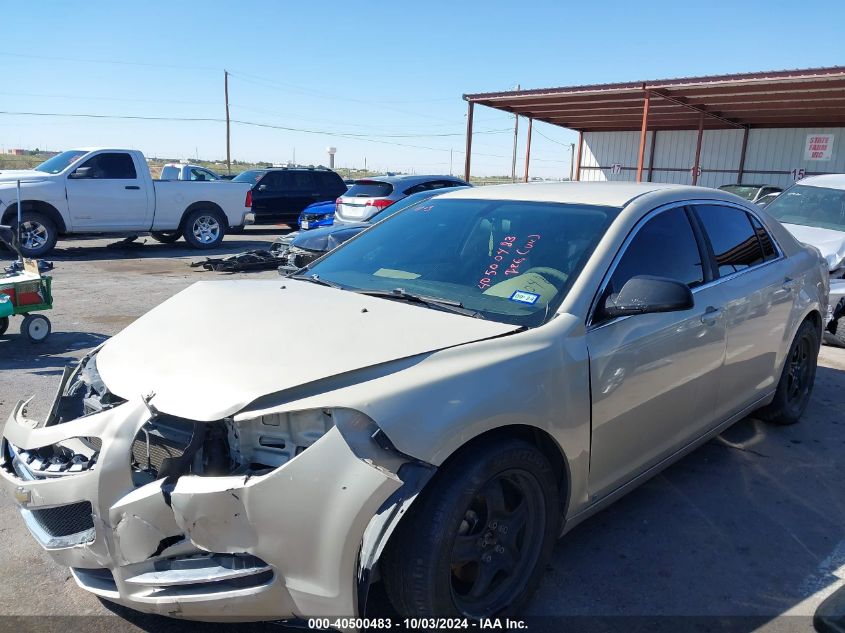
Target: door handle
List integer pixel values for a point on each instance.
(136, 187)
(789, 284)
(711, 315)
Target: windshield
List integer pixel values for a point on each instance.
(60, 162)
(810, 206)
(510, 261)
(251, 176)
(743, 191)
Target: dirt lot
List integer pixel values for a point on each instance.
(751, 524)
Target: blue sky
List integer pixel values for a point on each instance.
(387, 76)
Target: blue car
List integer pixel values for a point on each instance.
(316, 215)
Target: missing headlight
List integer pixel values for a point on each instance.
(85, 393)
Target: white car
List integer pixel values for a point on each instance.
(813, 210)
(110, 191)
(187, 171)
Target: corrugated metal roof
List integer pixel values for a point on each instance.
(781, 98)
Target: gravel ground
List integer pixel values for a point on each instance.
(752, 524)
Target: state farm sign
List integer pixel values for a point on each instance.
(819, 147)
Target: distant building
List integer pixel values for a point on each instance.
(16, 152)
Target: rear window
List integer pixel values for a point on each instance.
(250, 176)
(747, 192)
(369, 189)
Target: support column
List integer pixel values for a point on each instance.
(651, 154)
(698, 150)
(468, 155)
(528, 149)
(643, 131)
(741, 170)
(578, 156)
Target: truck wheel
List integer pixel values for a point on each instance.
(204, 229)
(476, 541)
(38, 234)
(36, 327)
(4, 325)
(166, 237)
(796, 380)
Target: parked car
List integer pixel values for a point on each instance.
(452, 419)
(280, 195)
(179, 171)
(368, 196)
(752, 193)
(316, 215)
(110, 191)
(813, 210)
(303, 248)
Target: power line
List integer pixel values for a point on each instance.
(106, 61)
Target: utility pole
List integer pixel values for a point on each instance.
(515, 137)
(450, 161)
(571, 160)
(228, 133)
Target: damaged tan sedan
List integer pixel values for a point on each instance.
(491, 367)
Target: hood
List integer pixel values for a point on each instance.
(327, 238)
(11, 175)
(218, 345)
(831, 243)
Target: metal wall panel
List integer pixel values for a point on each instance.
(771, 155)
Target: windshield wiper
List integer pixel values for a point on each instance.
(400, 294)
(316, 279)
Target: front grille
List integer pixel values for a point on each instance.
(65, 520)
(160, 449)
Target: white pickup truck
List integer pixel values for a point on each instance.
(111, 191)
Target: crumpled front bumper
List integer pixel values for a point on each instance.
(279, 545)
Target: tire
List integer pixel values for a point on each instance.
(166, 237)
(36, 327)
(453, 543)
(796, 381)
(204, 228)
(835, 333)
(38, 234)
(4, 325)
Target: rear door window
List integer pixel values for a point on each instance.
(766, 241)
(331, 184)
(664, 247)
(369, 189)
(734, 241)
(273, 181)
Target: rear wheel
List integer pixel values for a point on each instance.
(38, 234)
(166, 237)
(36, 327)
(204, 228)
(797, 378)
(475, 543)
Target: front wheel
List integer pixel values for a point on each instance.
(796, 381)
(38, 234)
(36, 327)
(474, 545)
(204, 229)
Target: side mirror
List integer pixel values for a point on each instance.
(262, 187)
(645, 294)
(81, 172)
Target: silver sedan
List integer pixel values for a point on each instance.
(485, 370)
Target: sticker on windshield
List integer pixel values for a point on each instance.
(521, 296)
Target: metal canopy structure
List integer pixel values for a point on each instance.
(777, 99)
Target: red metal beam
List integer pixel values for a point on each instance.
(698, 150)
(528, 149)
(643, 131)
(468, 156)
(578, 157)
(741, 169)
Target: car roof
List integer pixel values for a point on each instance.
(406, 179)
(832, 181)
(611, 194)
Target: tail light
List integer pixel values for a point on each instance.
(248, 201)
(379, 203)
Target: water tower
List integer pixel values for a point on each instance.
(332, 151)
